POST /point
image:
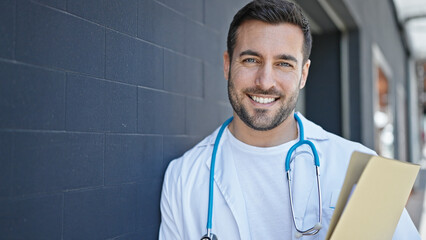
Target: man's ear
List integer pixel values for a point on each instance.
(305, 72)
(226, 62)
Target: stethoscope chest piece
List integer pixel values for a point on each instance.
(211, 237)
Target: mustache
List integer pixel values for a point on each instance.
(256, 90)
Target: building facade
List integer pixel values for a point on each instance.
(97, 97)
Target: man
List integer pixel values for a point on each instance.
(266, 64)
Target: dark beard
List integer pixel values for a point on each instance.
(255, 121)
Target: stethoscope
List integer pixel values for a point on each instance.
(310, 231)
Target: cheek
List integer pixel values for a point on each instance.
(288, 76)
(289, 80)
(243, 76)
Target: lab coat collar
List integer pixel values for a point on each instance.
(312, 131)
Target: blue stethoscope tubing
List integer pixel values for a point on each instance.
(212, 164)
(311, 231)
(302, 141)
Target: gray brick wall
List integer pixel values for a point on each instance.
(96, 97)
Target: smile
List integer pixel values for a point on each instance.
(263, 100)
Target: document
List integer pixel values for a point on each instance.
(372, 198)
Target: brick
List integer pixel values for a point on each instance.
(131, 158)
(31, 98)
(148, 204)
(160, 25)
(60, 4)
(122, 15)
(41, 162)
(193, 9)
(207, 118)
(91, 10)
(215, 84)
(35, 218)
(203, 43)
(219, 13)
(115, 14)
(6, 164)
(148, 233)
(7, 28)
(130, 236)
(133, 61)
(183, 74)
(100, 213)
(97, 105)
(160, 112)
(176, 146)
(51, 38)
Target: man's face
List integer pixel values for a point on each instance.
(266, 73)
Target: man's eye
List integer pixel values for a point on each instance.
(284, 64)
(249, 60)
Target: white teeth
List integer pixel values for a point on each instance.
(262, 100)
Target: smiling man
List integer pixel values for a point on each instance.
(265, 73)
(233, 184)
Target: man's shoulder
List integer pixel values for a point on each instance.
(343, 143)
(317, 133)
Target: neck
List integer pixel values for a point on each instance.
(285, 132)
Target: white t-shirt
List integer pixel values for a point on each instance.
(262, 177)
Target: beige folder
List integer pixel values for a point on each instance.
(378, 189)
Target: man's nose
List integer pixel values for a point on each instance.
(265, 78)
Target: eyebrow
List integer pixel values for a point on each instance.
(282, 56)
(250, 52)
(287, 57)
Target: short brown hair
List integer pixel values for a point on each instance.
(274, 12)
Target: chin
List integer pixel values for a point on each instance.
(261, 123)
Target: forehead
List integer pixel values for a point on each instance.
(282, 38)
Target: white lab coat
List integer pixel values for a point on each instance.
(184, 197)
